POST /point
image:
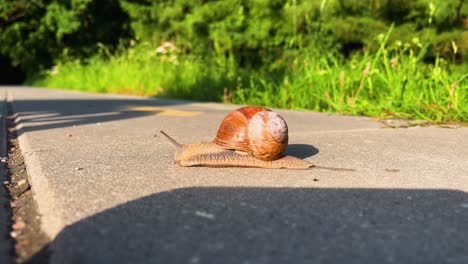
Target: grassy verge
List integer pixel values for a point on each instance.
(392, 82)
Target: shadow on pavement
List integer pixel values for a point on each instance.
(274, 225)
(301, 151)
(34, 115)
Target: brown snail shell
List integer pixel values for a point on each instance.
(255, 130)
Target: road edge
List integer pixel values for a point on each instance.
(43, 192)
(6, 250)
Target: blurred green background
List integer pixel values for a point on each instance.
(383, 58)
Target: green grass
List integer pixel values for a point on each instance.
(393, 82)
(140, 71)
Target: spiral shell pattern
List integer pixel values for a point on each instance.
(255, 130)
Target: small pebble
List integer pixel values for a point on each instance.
(6, 182)
(14, 234)
(17, 203)
(205, 215)
(78, 168)
(69, 135)
(19, 225)
(21, 244)
(21, 182)
(315, 180)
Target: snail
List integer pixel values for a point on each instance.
(250, 136)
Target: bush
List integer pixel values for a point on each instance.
(35, 33)
(259, 32)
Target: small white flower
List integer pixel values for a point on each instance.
(169, 46)
(161, 49)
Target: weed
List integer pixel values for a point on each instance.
(392, 82)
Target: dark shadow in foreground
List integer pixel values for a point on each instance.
(274, 225)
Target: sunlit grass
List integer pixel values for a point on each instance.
(375, 86)
(139, 71)
(392, 82)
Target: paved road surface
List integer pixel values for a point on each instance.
(108, 190)
(6, 244)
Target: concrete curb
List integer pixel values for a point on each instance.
(47, 206)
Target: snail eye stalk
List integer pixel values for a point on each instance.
(175, 143)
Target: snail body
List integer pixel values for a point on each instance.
(248, 137)
(211, 155)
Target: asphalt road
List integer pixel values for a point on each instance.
(108, 191)
(6, 243)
